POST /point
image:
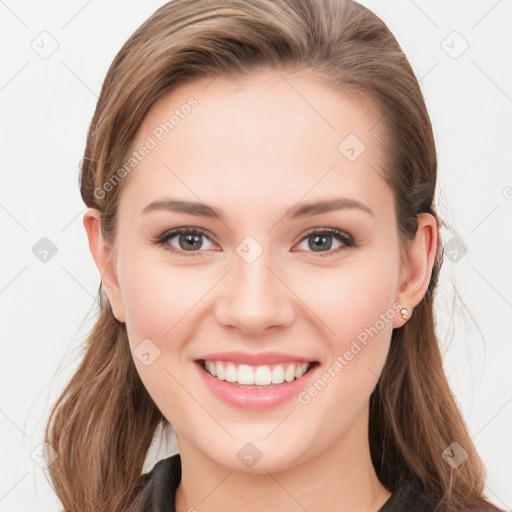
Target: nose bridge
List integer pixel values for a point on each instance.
(254, 280)
(254, 298)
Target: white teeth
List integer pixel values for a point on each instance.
(245, 374)
(278, 375)
(210, 366)
(221, 373)
(289, 374)
(300, 371)
(256, 375)
(262, 376)
(231, 373)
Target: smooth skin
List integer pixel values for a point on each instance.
(254, 148)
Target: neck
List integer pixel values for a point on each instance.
(341, 478)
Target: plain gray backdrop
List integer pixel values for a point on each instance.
(55, 55)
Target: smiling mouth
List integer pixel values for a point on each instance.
(256, 377)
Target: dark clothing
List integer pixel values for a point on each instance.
(163, 480)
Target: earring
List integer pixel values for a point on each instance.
(405, 313)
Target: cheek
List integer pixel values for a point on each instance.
(352, 297)
(157, 296)
(360, 330)
(144, 308)
(355, 308)
(358, 338)
(156, 322)
(160, 302)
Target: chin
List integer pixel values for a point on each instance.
(259, 456)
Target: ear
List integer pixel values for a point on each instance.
(103, 257)
(417, 268)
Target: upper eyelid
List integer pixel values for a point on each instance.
(334, 232)
(169, 234)
(176, 231)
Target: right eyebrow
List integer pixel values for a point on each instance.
(298, 211)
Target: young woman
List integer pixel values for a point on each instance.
(260, 180)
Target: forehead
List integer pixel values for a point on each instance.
(274, 136)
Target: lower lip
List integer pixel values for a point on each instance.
(255, 398)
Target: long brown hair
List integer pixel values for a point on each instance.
(102, 424)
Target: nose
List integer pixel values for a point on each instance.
(254, 298)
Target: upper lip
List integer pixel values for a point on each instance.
(264, 358)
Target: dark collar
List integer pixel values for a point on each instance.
(161, 483)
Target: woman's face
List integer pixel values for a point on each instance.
(252, 288)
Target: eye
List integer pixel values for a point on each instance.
(322, 239)
(188, 240)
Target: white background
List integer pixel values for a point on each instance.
(46, 308)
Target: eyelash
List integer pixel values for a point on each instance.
(163, 238)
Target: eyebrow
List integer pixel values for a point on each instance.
(297, 211)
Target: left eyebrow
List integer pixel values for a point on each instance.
(297, 211)
(315, 208)
(190, 207)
